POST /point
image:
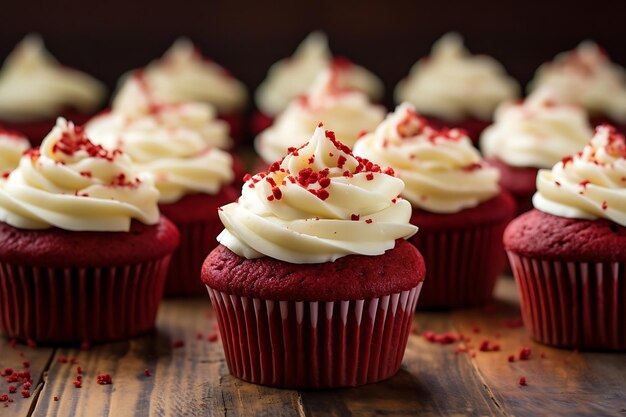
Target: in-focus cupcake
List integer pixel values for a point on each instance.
(183, 74)
(587, 77)
(292, 77)
(457, 204)
(529, 135)
(35, 89)
(83, 250)
(569, 254)
(179, 144)
(453, 88)
(346, 112)
(314, 284)
(12, 146)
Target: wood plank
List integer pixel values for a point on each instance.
(13, 356)
(565, 382)
(189, 380)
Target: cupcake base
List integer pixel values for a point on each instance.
(302, 344)
(520, 182)
(197, 220)
(573, 304)
(463, 252)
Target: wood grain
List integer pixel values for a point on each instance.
(190, 380)
(13, 356)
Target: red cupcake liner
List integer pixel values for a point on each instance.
(197, 239)
(573, 304)
(463, 265)
(75, 305)
(311, 344)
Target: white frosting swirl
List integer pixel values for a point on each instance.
(442, 171)
(452, 84)
(184, 75)
(12, 146)
(292, 77)
(590, 184)
(347, 113)
(537, 132)
(320, 204)
(33, 85)
(586, 77)
(177, 143)
(72, 184)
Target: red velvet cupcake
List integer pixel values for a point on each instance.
(348, 113)
(184, 75)
(293, 77)
(452, 88)
(456, 201)
(83, 252)
(180, 145)
(533, 134)
(313, 285)
(587, 77)
(569, 255)
(35, 89)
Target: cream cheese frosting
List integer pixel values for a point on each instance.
(33, 85)
(442, 171)
(318, 204)
(591, 184)
(72, 184)
(184, 75)
(178, 143)
(12, 146)
(292, 77)
(453, 84)
(537, 132)
(586, 77)
(347, 113)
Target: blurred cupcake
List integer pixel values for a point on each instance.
(533, 134)
(314, 265)
(179, 144)
(35, 89)
(292, 77)
(588, 78)
(452, 88)
(568, 255)
(457, 204)
(184, 75)
(346, 112)
(83, 251)
(12, 146)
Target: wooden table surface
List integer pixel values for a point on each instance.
(187, 374)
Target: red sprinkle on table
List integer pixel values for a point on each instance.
(12, 389)
(443, 338)
(56, 398)
(178, 343)
(25, 393)
(26, 364)
(146, 372)
(511, 358)
(104, 379)
(524, 353)
(78, 384)
(522, 380)
(212, 337)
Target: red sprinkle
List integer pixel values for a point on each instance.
(524, 353)
(604, 205)
(56, 398)
(4, 398)
(212, 337)
(26, 364)
(355, 217)
(443, 338)
(369, 221)
(146, 372)
(79, 370)
(104, 379)
(12, 389)
(511, 358)
(78, 384)
(25, 393)
(522, 380)
(178, 343)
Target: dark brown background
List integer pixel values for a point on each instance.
(106, 38)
